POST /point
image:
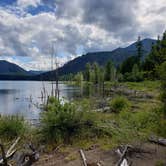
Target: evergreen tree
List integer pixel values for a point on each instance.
(79, 78)
(135, 72)
(162, 73)
(127, 65)
(87, 72)
(113, 73)
(139, 50)
(108, 68)
(96, 73)
(101, 76)
(156, 57)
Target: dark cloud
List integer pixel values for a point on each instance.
(112, 15)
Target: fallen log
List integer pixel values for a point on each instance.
(11, 151)
(3, 161)
(122, 161)
(159, 141)
(28, 158)
(83, 157)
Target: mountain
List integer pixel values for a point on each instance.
(11, 71)
(7, 68)
(117, 56)
(36, 72)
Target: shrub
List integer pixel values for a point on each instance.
(62, 122)
(11, 126)
(162, 73)
(119, 104)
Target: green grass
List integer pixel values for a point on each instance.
(146, 86)
(12, 127)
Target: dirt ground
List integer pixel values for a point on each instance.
(156, 155)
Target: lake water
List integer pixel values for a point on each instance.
(24, 97)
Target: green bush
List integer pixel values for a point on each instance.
(11, 126)
(119, 104)
(62, 122)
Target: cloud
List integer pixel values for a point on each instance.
(75, 27)
(26, 3)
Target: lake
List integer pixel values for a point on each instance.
(24, 97)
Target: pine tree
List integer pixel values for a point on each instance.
(96, 73)
(79, 78)
(156, 57)
(87, 72)
(162, 73)
(135, 72)
(139, 50)
(108, 68)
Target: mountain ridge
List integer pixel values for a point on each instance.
(117, 55)
(10, 71)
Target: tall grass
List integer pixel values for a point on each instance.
(11, 127)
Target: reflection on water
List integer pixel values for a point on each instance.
(23, 97)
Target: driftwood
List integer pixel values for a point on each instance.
(159, 141)
(122, 161)
(83, 157)
(28, 158)
(6, 156)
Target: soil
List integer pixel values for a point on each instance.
(156, 154)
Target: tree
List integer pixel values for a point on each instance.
(156, 57)
(109, 71)
(127, 65)
(113, 73)
(135, 72)
(139, 50)
(87, 72)
(101, 76)
(79, 78)
(96, 73)
(162, 73)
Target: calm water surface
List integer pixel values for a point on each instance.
(24, 97)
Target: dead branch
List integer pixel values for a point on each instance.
(28, 158)
(159, 141)
(3, 161)
(122, 161)
(83, 157)
(11, 151)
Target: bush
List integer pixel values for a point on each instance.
(138, 77)
(11, 126)
(62, 122)
(119, 104)
(162, 73)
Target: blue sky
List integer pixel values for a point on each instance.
(29, 28)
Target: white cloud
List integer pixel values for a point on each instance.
(26, 3)
(31, 35)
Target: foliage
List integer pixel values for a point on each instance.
(110, 71)
(119, 103)
(62, 122)
(67, 77)
(78, 78)
(156, 57)
(162, 72)
(87, 72)
(127, 65)
(96, 73)
(139, 50)
(11, 126)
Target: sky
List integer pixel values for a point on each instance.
(32, 30)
